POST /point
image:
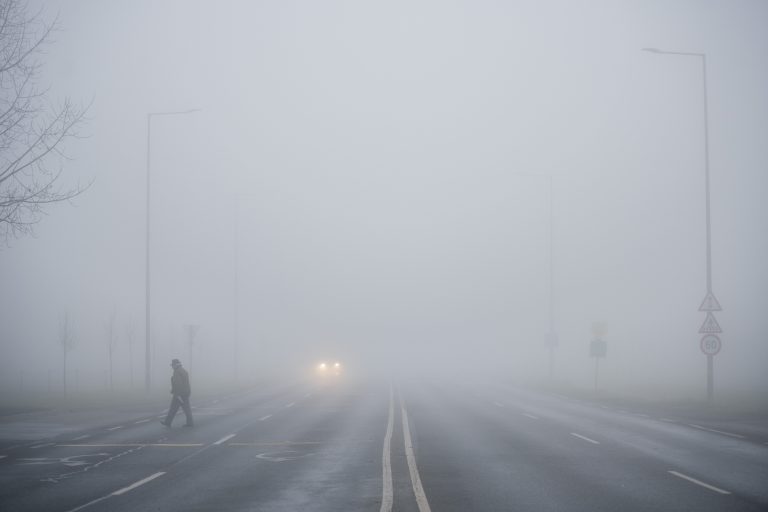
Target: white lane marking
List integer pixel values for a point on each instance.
(41, 446)
(86, 436)
(716, 431)
(668, 420)
(387, 493)
(135, 485)
(290, 405)
(141, 421)
(641, 415)
(699, 482)
(225, 439)
(116, 428)
(585, 438)
(530, 416)
(418, 490)
(265, 417)
(498, 404)
(3, 456)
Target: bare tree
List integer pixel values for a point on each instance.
(32, 129)
(111, 338)
(130, 333)
(67, 343)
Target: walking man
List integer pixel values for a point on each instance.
(180, 390)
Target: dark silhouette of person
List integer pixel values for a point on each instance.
(180, 390)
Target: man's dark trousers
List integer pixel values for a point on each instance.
(183, 401)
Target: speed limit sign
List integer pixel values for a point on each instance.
(711, 344)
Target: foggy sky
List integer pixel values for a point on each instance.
(383, 168)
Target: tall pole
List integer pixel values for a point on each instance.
(148, 359)
(148, 346)
(711, 343)
(551, 337)
(236, 292)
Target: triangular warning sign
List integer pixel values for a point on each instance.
(710, 325)
(710, 303)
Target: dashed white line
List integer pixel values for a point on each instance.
(585, 438)
(137, 484)
(290, 405)
(86, 436)
(716, 431)
(498, 404)
(641, 415)
(116, 428)
(387, 492)
(141, 421)
(530, 416)
(418, 490)
(3, 456)
(225, 439)
(699, 482)
(41, 446)
(668, 420)
(265, 417)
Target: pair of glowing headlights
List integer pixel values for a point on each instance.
(326, 366)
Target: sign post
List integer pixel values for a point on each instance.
(710, 342)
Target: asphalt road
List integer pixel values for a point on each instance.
(375, 446)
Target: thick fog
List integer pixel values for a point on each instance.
(428, 186)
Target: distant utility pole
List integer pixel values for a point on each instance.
(710, 342)
(550, 339)
(148, 348)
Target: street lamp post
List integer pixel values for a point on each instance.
(550, 340)
(148, 359)
(710, 343)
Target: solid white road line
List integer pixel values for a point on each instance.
(141, 421)
(135, 485)
(716, 431)
(418, 490)
(530, 416)
(699, 482)
(585, 438)
(225, 439)
(265, 417)
(387, 492)
(116, 428)
(117, 493)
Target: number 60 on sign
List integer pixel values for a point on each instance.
(711, 344)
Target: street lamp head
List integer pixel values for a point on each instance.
(652, 50)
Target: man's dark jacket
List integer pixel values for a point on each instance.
(180, 382)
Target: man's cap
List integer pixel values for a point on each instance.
(175, 362)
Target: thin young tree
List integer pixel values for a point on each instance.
(67, 343)
(33, 129)
(111, 338)
(130, 334)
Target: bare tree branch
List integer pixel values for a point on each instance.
(32, 131)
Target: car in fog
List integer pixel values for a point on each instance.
(330, 368)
